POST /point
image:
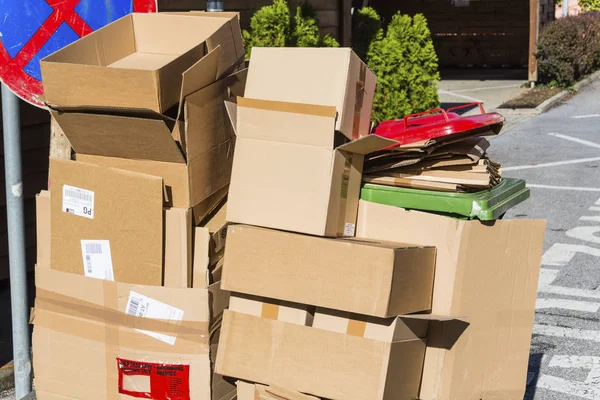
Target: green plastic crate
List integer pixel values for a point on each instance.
(486, 205)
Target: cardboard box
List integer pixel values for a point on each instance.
(137, 61)
(193, 153)
(209, 245)
(361, 276)
(109, 224)
(383, 329)
(82, 325)
(249, 391)
(322, 363)
(284, 311)
(323, 76)
(42, 221)
(292, 171)
(487, 273)
(84, 331)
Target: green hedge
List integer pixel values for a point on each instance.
(569, 49)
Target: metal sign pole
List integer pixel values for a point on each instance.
(214, 6)
(565, 8)
(16, 242)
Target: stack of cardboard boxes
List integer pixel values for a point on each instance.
(339, 307)
(331, 296)
(132, 231)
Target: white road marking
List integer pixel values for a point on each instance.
(563, 304)
(560, 385)
(595, 218)
(589, 389)
(571, 188)
(594, 208)
(569, 333)
(485, 88)
(585, 233)
(576, 140)
(551, 164)
(586, 116)
(561, 254)
(548, 276)
(460, 96)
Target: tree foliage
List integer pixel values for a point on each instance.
(406, 66)
(273, 26)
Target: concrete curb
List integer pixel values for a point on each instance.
(7, 379)
(552, 101)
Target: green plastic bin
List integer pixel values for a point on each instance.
(486, 205)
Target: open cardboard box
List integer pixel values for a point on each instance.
(323, 363)
(486, 272)
(292, 170)
(84, 326)
(193, 153)
(137, 61)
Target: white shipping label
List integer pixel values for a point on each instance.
(349, 229)
(78, 201)
(139, 305)
(97, 260)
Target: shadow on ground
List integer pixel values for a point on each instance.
(5, 316)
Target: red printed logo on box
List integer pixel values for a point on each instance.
(154, 381)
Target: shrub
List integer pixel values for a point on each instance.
(569, 49)
(272, 26)
(590, 5)
(366, 25)
(406, 66)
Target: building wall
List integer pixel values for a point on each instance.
(328, 11)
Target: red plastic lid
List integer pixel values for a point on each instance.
(437, 123)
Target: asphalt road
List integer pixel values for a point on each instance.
(558, 153)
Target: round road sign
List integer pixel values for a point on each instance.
(33, 29)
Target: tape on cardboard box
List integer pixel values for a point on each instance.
(276, 310)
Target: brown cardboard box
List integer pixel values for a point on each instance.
(249, 391)
(322, 363)
(209, 246)
(137, 61)
(292, 170)
(115, 227)
(81, 326)
(284, 311)
(486, 273)
(324, 76)
(42, 220)
(383, 329)
(84, 327)
(361, 276)
(192, 153)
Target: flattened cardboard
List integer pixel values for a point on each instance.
(178, 248)
(194, 156)
(366, 277)
(486, 273)
(42, 220)
(248, 391)
(284, 311)
(289, 171)
(318, 362)
(128, 212)
(322, 76)
(137, 61)
(81, 327)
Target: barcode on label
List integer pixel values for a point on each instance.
(88, 263)
(134, 305)
(78, 195)
(93, 248)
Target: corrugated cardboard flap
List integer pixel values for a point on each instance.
(284, 122)
(117, 136)
(366, 145)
